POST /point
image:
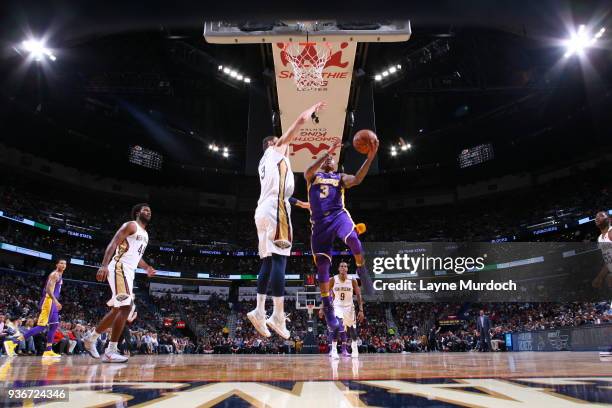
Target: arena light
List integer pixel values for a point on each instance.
(581, 40)
(239, 77)
(232, 73)
(37, 49)
(220, 67)
(392, 70)
(225, 154)
(378, 77)
(385, 73)
(226, 70)
(247, 80)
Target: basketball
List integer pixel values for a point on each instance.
(363, 139)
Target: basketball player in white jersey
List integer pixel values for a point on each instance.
(343, 287)
(273, 222)
(604, 277)
(121, 258)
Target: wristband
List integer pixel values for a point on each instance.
(292, 200)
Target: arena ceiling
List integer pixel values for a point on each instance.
(128, 74)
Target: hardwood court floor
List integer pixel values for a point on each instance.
(434, 379)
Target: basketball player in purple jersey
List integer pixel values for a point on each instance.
(330, 219)
(49, 310)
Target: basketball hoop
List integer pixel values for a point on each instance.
(307, 60)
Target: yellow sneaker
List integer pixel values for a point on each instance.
(51, 354)
(9, 347)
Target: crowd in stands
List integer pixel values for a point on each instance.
(414, 327)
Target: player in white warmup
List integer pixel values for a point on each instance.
(604, 277)
(121, 258)
(273, 222)
(343, 288)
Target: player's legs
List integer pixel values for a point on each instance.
(277, 287)
(263, 279)
(321, 244)
(257, 316)
(323, 262)
(277, 284)
(346, 232)
(53, 325)
(352, 331)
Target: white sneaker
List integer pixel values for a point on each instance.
(258, 321)
(279, 326)
(113, 357)
(334, 354)
(90, 346)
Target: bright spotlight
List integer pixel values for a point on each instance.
(385, 73)
(393, 153)
(392, 70)
(226, 70)
(378, 77)
(215, 148)
(239, 77)
(37, 49)
(225, 149)
(404, 147)
(220, 67)
(581, 40)
(225, 154)
(398, 66)
(210, 147)
(233, 74)
(247, 80)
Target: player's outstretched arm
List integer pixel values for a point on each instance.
(126, 230)
(310, 171)
(293, 130)
(349, 180)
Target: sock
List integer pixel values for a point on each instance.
(112, 347)
(50, 335)
(279, 307)
(261, 304)
(335, 345)
(34, 331)
(354, 345)
(277, 275)
(263, 277)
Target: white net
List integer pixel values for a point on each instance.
(308, 61)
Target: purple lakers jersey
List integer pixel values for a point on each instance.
(56, 290)
(325, 195)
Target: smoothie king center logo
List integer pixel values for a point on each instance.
(309, 55)
(315, 140)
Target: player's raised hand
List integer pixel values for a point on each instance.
(102, 274)
(308, 113)
(373, 148)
